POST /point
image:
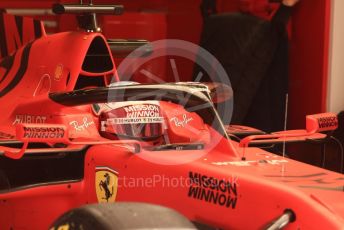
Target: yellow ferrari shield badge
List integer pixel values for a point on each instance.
(106, 184)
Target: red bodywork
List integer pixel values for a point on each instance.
(251, 193)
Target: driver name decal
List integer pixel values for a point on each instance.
(210, 189)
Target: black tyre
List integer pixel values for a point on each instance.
(122, 216)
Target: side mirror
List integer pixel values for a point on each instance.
(36, 133)
(42, 133)
(321, 122)
(314, 124)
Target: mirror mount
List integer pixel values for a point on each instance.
(58, 134)
(87, 13)
(315, 124)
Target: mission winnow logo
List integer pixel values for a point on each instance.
(209, 189)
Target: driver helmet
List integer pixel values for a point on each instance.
(136, 120)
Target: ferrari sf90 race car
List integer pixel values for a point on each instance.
(80, 152)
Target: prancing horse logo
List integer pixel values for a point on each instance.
(106, 184)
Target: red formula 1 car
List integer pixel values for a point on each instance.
(70, 138)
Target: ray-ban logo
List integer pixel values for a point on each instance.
(182, 122)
